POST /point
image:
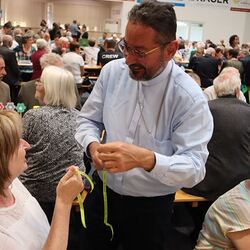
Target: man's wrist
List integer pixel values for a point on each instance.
(91, 149)
(150, 161)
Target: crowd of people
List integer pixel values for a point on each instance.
(148, 128)
(208, 59)
(19, 46)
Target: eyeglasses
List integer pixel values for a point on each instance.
(122, 45)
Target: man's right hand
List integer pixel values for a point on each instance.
(92, 149)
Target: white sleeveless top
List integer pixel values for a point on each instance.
(24, 225)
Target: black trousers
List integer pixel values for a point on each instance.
(138, 222)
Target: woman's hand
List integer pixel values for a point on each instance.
(69, 186)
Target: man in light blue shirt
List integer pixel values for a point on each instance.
(157, 125)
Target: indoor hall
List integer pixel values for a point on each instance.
(158, 118)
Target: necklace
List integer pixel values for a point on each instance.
(140, 100)
(141, 106)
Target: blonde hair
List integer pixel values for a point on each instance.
(59, 86)
(10, 134)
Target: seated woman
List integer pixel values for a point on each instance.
(24, 52)
(23, 224)
(227, 222)
(50, 131)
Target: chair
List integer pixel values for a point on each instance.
(27, 94)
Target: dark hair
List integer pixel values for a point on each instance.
(160, 16)
(43, 23)
(231, 39)
(218, 50)
(212, 45)
(73, 46)
(91, 42)
(85, 35)
(25, 38)
(110, 43)
(181, 45)
(233, 52)
(8, 25)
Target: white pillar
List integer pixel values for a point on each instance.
(49, 14)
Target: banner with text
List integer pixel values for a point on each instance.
(234, 5)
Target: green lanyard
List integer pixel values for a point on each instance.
(105, 200)
(79, 196)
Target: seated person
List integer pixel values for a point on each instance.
(246, 65)
(232, 61)
(227, 222)
(228, 160)
(27, 91)
(74, 62)
(110, 52)
(91, 53)
(24, 52)
(9, 62)
(62, 46)
(4, 92)
(42, 48)
(210, 91)
(4, 88)
(207, 67)
(50, 130)
(23, 224)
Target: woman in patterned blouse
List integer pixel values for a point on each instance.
(50, 132)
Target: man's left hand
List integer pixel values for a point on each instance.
(120, 157)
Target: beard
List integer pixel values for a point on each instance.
(141, 73)
(138, 72)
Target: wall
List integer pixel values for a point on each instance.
(27, 13)
(126, 7)
(90, 13)
(217, 22)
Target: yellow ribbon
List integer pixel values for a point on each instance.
(105, 201)
(79, 196)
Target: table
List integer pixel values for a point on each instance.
(180, 196)
(92, 70)
(88, 85)
(92, 67)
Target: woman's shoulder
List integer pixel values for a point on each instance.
(50, 113)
